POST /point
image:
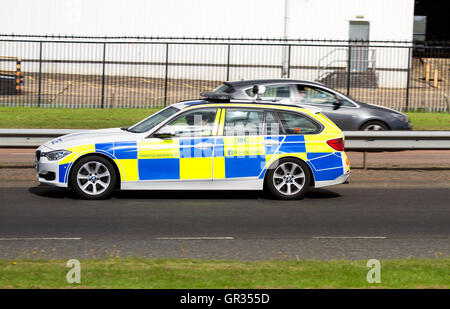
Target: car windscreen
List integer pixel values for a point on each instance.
(155, 119)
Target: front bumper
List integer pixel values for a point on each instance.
(49, 172)
(398, 125)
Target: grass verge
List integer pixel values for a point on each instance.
(24, 117)
(430, 121)
(60, 118)
(187, 273)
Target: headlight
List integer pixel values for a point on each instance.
(400, 117)
(56, 155)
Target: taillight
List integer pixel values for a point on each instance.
(336, 144)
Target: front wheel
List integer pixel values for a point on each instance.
(374, 126)
(289, 180)
(93, 178)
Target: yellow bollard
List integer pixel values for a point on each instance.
(436, 78)
(427, 72)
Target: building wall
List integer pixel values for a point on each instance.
(318, 19)
(306, 19)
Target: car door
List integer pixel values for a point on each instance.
(240, 151)
(323, 99)
(187, 154)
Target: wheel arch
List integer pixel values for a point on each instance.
(108, 158)
(275, 162)
(374, 119)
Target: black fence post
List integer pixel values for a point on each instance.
(103, 75)
(349, 68)
(289, 62)
(166, 74)
(228, 61)
(40, 74)
(407, 79)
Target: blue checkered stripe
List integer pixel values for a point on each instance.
(325, 166)
(118, 150)
(169, 168)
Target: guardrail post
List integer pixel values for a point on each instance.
(103, 75)
(365, 160)
(40, 74)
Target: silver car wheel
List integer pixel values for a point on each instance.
(289, 178)
(93, 178)
(374, 127)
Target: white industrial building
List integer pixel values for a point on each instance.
(374, 20)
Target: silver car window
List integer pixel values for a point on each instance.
(273, 92)
(315, 95)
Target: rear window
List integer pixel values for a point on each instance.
(295, 123)
(224, 88)
(273, 92)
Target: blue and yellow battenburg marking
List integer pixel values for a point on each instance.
(213, 158)
(217, 157)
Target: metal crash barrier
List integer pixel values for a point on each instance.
(354, 140)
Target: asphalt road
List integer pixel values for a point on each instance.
(339, 222)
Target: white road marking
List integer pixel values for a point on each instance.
(42, 238)
(194, 238)
(350, 237)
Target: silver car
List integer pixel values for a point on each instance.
(348, 114)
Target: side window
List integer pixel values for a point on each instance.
(313, 95)
(273, 92)
(273, 126)
(243, 122)
(295, 123)
(194, 123)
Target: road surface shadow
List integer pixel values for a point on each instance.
(60, 193)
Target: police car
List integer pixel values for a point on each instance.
(210, 144)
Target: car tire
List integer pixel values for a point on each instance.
(374, 126)
(289, 179)
(93, 177)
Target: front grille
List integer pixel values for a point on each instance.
(48, 176)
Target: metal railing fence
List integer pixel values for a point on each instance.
(354, 140)
(121, 72)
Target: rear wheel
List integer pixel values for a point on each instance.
(289, 180)
(374, 126)
(93, 177)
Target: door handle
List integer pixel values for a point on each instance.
(203, 145)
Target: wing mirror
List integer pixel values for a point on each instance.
(337, 104)
(258, 91)
(165, 132)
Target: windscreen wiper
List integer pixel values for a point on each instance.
(128, 130)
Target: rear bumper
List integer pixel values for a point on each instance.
(341, 179)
